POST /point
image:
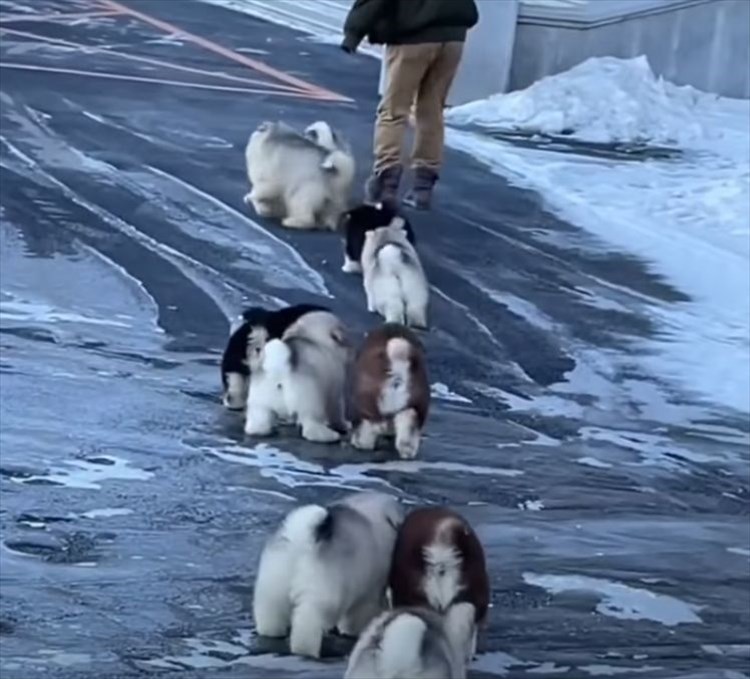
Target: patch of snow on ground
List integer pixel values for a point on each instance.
(619, 600)
(443, 392)
(689, 216)
(600, 100)
(593, 462)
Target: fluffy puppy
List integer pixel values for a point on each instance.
(326, 567)
(394, 281)
(439, 562)
(406, 643)
(355, 223)
(256, 326)
(391, 389)
(296, 178)
(325, 136)
(300, 378)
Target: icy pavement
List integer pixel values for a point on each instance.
(613, 505)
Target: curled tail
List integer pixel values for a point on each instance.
(305, 526)
(398, 350)
(341, 164)
(277, 357)
(391, 260)
(400, 648)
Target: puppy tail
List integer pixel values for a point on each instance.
(392, 257)
(398, 350)
(400, 647)
(277, 357)
(306, 526)
(340, 163)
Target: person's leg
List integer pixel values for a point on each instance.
(406, 66)
(427, 154)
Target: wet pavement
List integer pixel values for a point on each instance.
(614, 508)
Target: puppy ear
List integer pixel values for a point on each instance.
(397, 223)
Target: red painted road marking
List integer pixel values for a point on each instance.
(8, 18)
(314, 90)
(158, 81)
(147, 60)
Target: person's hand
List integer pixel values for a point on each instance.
(350, 43)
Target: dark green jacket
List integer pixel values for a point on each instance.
(401, 22)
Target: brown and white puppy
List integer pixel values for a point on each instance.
(438, 562)
(391, 390)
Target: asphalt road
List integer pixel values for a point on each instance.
(614, 508)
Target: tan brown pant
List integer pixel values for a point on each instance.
(420, 74)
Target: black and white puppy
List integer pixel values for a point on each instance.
(355, 223)
(300, 379)
(257, 325)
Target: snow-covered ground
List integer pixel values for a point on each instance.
(688, 216)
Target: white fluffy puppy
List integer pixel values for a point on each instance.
(297, 178)
(326, 567)
(407, 643)
(300, 378)
(394, 280)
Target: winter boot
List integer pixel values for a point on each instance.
(383, 186)
(420, 196)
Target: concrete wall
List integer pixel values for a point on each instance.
(705, 44)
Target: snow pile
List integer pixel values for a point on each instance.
(688, 217)
(600, 100)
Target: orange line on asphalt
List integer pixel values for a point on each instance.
(158, 81)
(315, 91)
(147, 60)
(7, 18)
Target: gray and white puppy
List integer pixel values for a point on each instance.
(406, 643)
(300, 378)
(394, 280)
(326, 567)
(296, 178)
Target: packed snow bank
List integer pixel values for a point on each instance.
(688, 217)
(600, 100)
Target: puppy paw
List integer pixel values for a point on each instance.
(319, 433)
(407, 450)
(298, 223)
(262, 209)
(257, 428)
(351, 266)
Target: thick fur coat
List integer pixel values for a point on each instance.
(438, 562)
(326, 567)
(355, 224)
(256, 326)
(406, 643)
(300, 379)
(394, 280)
(295, 178)
(391, 390)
